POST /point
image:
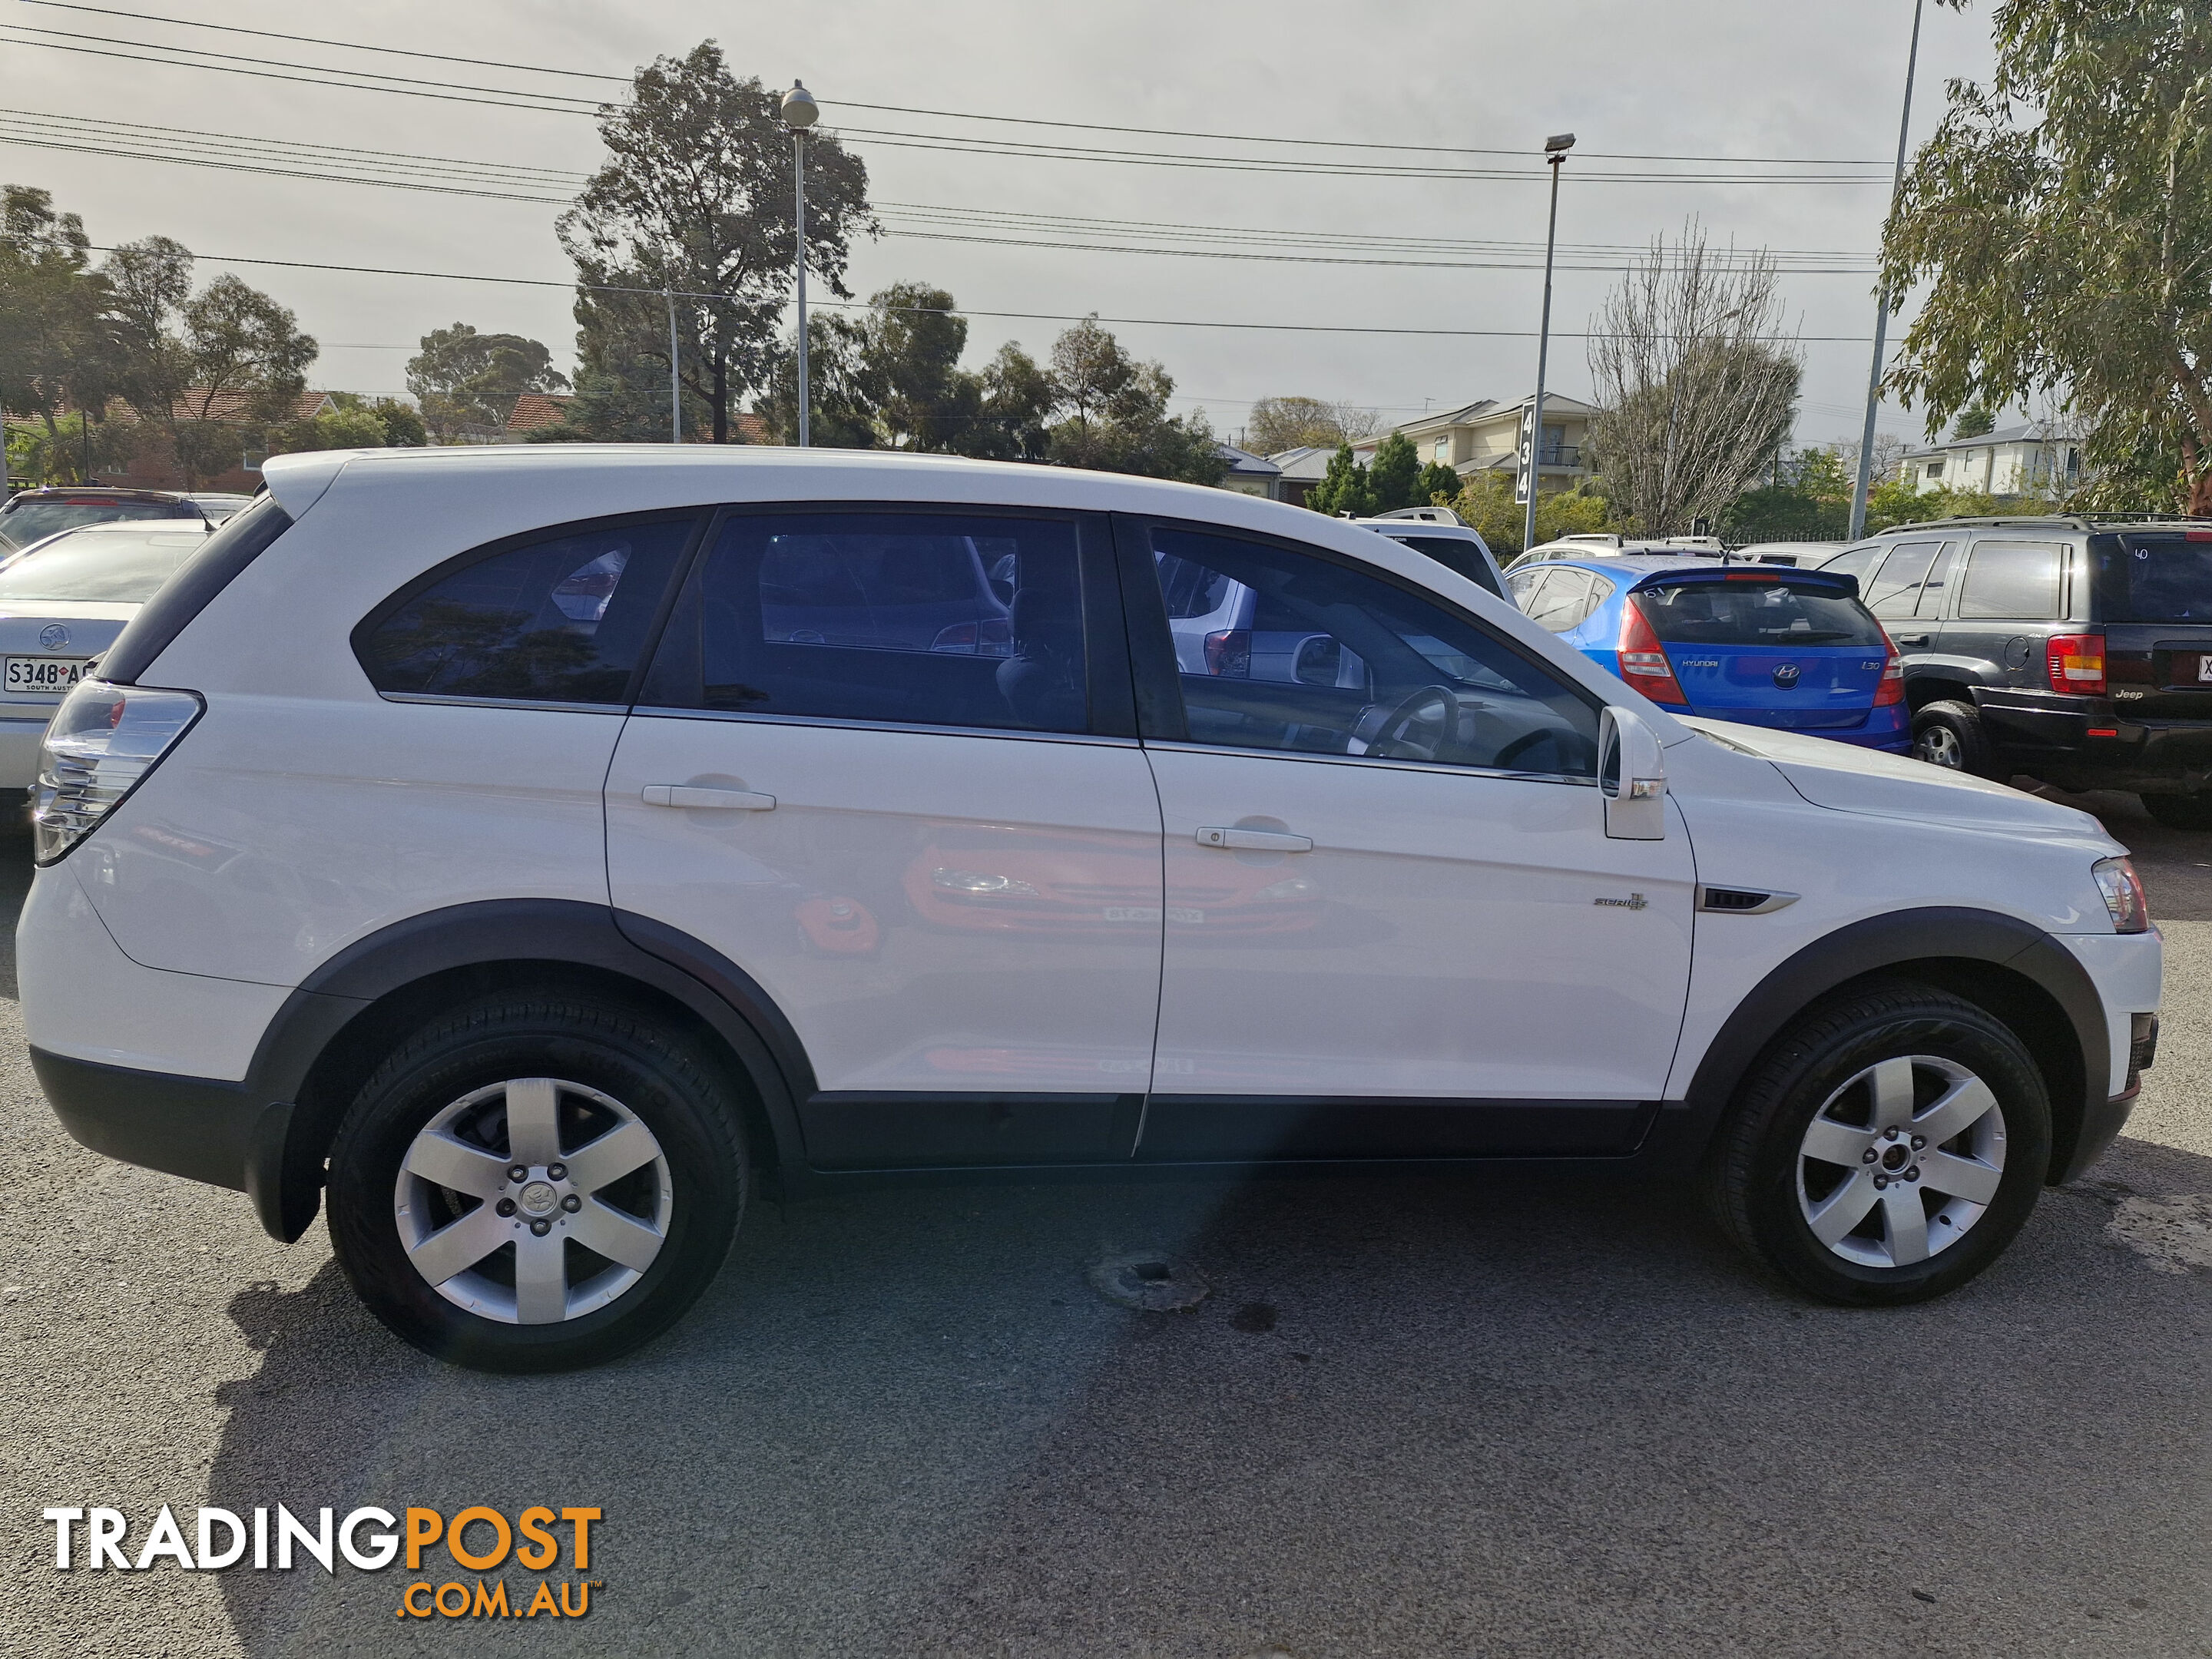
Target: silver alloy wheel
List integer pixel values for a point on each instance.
(1939, 745)
(460, 1203)
(1899, 1162)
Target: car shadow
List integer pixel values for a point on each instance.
(1509, 1412)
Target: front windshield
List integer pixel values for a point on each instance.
(101, 568)
(28, 522)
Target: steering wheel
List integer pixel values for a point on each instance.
(1571, 745)
(1414, 729)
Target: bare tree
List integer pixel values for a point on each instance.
(1280, 424)
(1696, 380)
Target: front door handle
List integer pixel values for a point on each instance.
(1257, 841)
(729, 800)
(1914, 639)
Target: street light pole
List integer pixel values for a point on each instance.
(1555, 154)
(1881, 311)
(675, 383)
(799, 113)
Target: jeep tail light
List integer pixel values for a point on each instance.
(1229, 653)
(1643, 663)
(1892, 689)
(993, 636)
(2078, 663)
(2124, 895)
(101, 742)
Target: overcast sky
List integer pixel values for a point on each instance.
(1819, 79)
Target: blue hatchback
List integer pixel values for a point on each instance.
(1759, 644)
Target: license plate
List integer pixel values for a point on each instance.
(2204, 668)
(46, 673)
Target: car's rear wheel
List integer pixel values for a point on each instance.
(2180, 811)
(1885, 1149)
(1951, 734)
(537, 1182)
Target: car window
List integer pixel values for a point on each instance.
(26, 520)
(1895, 586)
(1336, 661)
(1771, 615)
(1565, 601)
(2156, 578)
(908, 617)
(1520, 586)
(1855, 561)
(1452, 553)
(104, 567)
(561, 619)
(2017, 582)
(1930, 602)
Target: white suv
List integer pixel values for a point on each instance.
(535, 849)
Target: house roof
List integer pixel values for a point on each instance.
(2027, 432)
(1555, 403)
(1306, 464)
(534, 410)
(1244, 464)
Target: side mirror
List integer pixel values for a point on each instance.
(1319, 660)
(1632, 776)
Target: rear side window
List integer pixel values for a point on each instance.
(2016, 581)
(1893, 589)
(561, 618)
(2165, 579)
(1767, 615)
(907, 618)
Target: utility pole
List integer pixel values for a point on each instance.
(1555, 152)
(1881, 310)
(675, 383)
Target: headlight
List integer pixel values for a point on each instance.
(2124, 895)
(101, 741)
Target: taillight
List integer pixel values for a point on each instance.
(101, 742)
(1643, 665)
(1892, 689)
(2076, 662)
(1229, 653)
(993, 636)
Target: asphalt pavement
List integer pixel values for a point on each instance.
(1463, 1414)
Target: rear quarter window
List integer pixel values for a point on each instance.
(2014, 582)
(561, 618)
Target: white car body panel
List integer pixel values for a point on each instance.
(1467, 936)
(921, 985)
(84, 998)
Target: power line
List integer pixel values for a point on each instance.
(506, 98)
(961, 115)
(965, 310)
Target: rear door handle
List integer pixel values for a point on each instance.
(728, 800)
(1914, 639)
(1257, 841)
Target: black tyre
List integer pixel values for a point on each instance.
(2180, 811)
(1885, 1149)
(1951, 734)
(535, 1182)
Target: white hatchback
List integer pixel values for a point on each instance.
(534, 850)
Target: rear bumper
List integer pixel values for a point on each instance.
(18, 750)
(2091, 742)
(1888, 728)
(199, 1127)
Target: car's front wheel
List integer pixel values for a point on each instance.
(534, 1183)
(1885, 1149)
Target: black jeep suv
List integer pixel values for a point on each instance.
(2072, 649)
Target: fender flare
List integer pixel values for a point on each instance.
(1898, 941)
(288, 1141)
